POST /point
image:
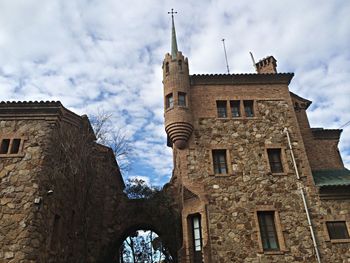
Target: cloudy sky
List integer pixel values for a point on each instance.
(105, 56)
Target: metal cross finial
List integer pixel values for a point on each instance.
(172, 12)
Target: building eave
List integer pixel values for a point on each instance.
(241, 79)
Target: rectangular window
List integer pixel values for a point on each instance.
(337, 230)
(235, 108)
(248, 108)
(15, 146)
(219, 160)
(182, 99)
(275, 160)
(5, 143)
(221, 108)
(169, 101)
(268, 230)
(196, 233)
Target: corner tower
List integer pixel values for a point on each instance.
(177, 108)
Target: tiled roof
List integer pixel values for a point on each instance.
(336, 177)
(246, 78)
(29, 102)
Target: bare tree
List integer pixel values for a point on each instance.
(115, 138)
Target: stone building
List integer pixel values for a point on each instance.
(253, 181)
(59, 189)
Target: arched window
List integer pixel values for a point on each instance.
(179, 62)
(167, 67)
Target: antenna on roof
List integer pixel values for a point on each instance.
(254, 64)
(223, 43)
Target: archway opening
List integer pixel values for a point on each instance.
(146, 246)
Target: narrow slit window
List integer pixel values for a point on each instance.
(182, 99)
(196, 232)
(167, 67)
(337, 230)
(15, 146)
(179, 63)
(248, 108)
(235, 108)
(221, 109)
(268, 230)
(220, 163)
(169, 101)
(5, 143)
(275, 160)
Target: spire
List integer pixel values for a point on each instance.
(173, 35)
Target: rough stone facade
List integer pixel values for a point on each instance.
(228, 203)
(59, 191)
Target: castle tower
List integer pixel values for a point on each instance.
(178, 119)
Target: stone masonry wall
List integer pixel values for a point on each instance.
(322, 154)
(233, 199)
(77, 182)
(19, 186)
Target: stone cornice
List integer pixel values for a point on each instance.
(34, 110)
(303, 103)
(326, 134)
(241, 79)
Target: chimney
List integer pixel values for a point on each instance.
(267, 65)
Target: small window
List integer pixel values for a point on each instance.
(15, 146)
(275, 160)
(235, 108)
(167, 67)
(5, 143)
(221, 108)
(169, 101)
(219, 160)
(179, 63)
(182, 98)
(268, 230)
(248, 108)
(337, 230)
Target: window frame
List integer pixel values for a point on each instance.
(278, 227)
(12, 138)
(196, 254)
(339, 218)
(246, 101)
(217, 162)
(169, 104)
(232, 102)
(276, 166)
(283, 159)
(228, 161)
(217, 108)
(267, 236)
(180, 93)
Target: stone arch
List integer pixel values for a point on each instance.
(145, 215)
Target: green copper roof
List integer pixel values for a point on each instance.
(173, 39)
(339, 177)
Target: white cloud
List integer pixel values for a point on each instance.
(107, 55)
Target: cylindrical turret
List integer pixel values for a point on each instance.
(178, 117)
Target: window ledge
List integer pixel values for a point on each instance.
(169, 109)
(221, 175)
(12, 155)
(279, 252)
(182, 107)
(340, 240)
(278, 174)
